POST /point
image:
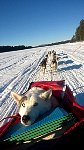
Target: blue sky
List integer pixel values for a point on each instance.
(34, 22)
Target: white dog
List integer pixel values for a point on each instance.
(36, 102)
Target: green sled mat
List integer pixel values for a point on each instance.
(55, 121)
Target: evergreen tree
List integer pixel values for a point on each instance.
(82, 30)
(79, 34)
(73, 39)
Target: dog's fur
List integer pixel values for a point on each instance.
(36, 102)
(54, 65)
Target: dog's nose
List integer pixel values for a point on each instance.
(25, 118)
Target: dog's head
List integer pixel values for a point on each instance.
(32, 105)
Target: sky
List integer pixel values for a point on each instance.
(34, 22)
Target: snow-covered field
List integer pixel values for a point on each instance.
(19, 68)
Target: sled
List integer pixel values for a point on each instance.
(59, 122)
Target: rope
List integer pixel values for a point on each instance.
(13, 116)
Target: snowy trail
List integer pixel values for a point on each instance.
(18, 69)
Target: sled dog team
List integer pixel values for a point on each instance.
(51, 60)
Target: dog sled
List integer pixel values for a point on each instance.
(56, 127)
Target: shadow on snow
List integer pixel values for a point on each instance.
(71, 67)
(65, 62)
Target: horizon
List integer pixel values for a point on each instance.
(35, 45)
(38, 22)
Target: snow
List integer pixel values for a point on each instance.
(19, 68)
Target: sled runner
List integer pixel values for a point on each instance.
(59, 121)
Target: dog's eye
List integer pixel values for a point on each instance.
(35, 104)
(23, 104)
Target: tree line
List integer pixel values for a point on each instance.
(22, 47)
(13, 48)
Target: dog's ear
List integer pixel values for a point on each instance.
(16, 97)
(46, 95)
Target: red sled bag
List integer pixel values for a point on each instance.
(66, 99)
